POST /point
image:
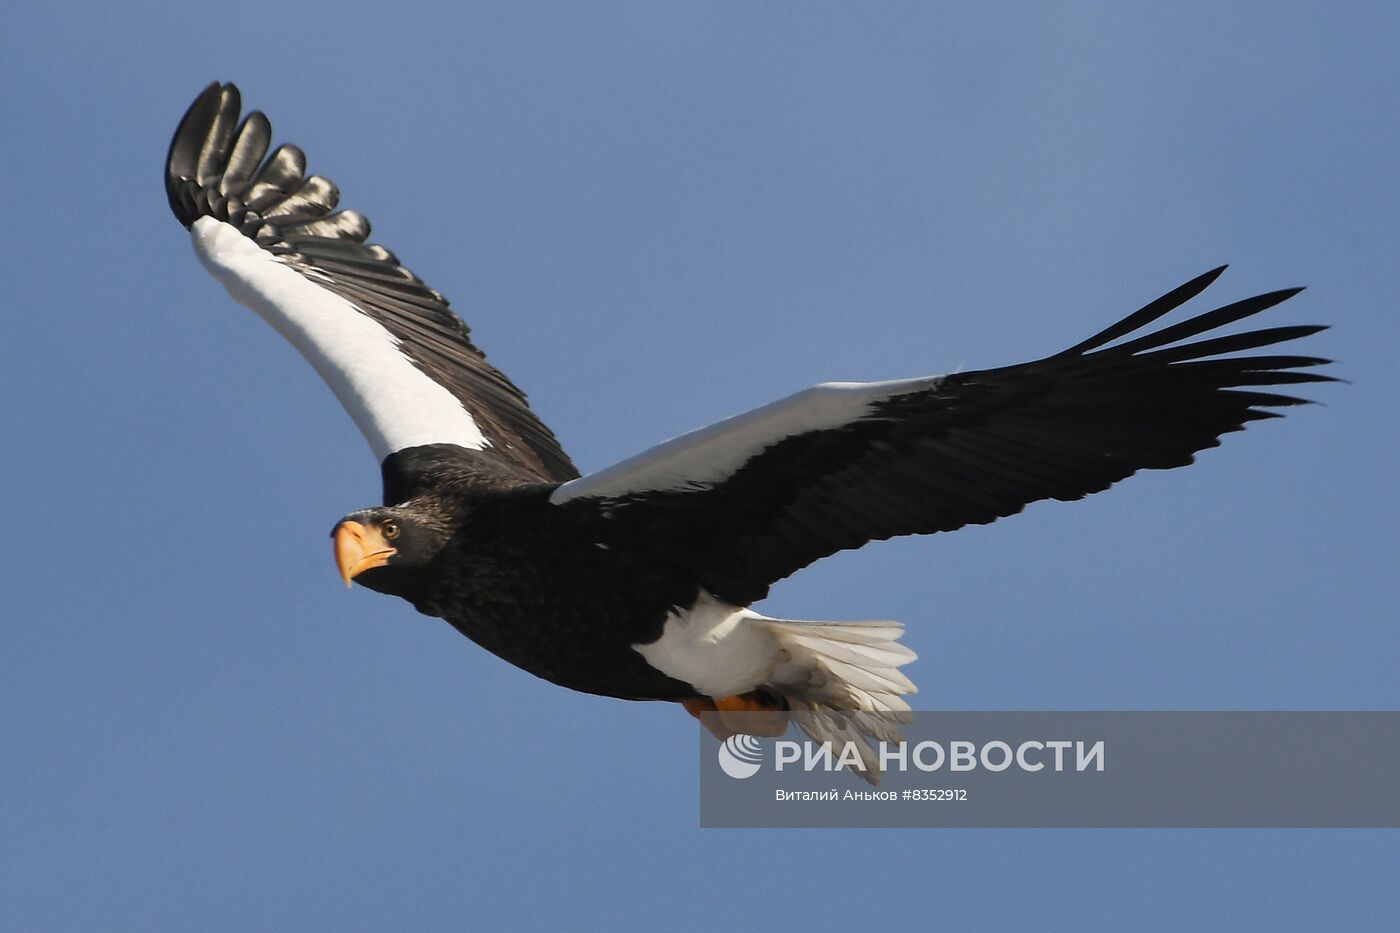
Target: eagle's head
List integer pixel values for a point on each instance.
(385, 548)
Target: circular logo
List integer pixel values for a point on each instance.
(740, 756)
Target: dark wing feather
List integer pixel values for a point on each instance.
(220, 168)
(972, 447)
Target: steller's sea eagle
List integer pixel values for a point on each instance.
(635, 581)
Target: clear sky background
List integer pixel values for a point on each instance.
(653, 216)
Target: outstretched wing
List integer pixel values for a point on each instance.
(747, 501)
(395, 355)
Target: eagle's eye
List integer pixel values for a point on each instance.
(390, 530)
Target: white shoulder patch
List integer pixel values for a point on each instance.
(711, 455)
(393, 402)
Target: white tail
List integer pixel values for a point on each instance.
(842, 683)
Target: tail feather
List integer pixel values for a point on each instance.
(830, 640)
(842, 683)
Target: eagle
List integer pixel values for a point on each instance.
(636, 581)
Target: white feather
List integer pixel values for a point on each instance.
(840, 679)
(725, 650)
(713, 454)
(393, 402)
(715, 647)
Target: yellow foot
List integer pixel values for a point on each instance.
(761, 714)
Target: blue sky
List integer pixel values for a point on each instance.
(653, 216)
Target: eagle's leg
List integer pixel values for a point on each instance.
(764, 714)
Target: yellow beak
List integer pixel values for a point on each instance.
(358, 548)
